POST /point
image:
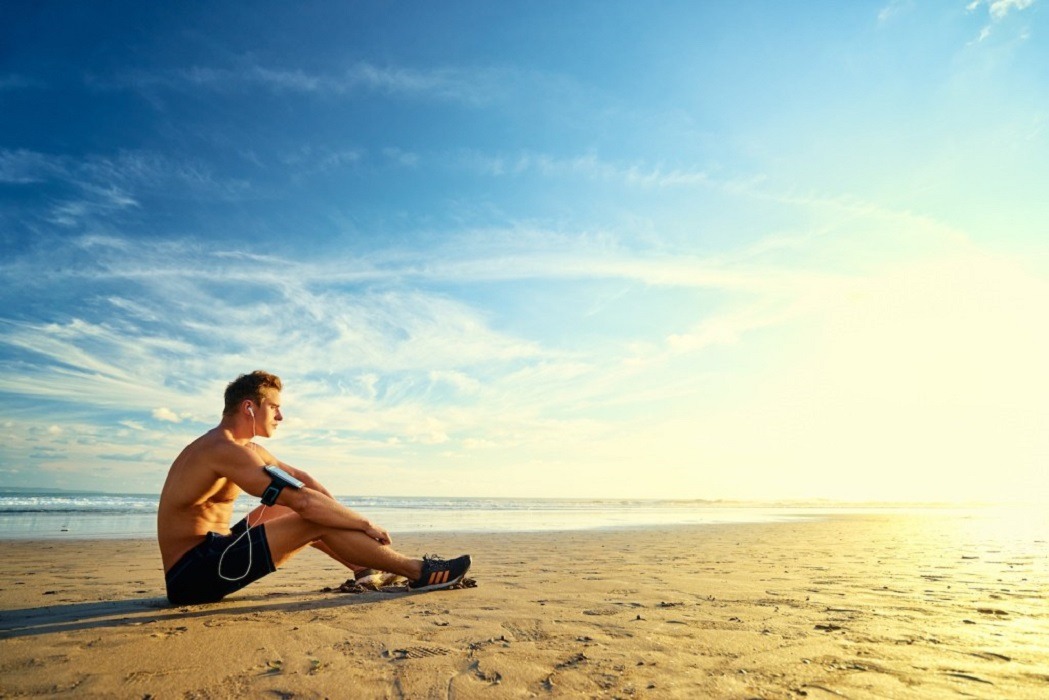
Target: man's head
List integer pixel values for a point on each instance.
(252, 387)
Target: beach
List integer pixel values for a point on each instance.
(872, 605)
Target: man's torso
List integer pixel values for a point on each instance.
(195, 499)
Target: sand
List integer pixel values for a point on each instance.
(865, 606)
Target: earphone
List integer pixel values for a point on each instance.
(248, 525)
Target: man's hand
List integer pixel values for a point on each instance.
(378, 534)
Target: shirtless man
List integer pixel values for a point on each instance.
(205, 559)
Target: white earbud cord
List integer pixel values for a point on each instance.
(247, 529)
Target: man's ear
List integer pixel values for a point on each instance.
(251, 409)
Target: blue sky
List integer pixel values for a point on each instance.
(591, 249)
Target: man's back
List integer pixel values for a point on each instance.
(195, 499)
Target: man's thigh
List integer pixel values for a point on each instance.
(264, 514)
(287, 534)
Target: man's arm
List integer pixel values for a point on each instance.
(297, 473)
(319, 508)
(245, 469)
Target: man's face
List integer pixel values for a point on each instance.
(268, 416)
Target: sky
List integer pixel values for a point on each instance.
(697, 250)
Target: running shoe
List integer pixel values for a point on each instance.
(441, 573)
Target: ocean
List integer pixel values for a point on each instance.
(26, 514)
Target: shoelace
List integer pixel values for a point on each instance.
(434, 560)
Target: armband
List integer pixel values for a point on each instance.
(280, 479)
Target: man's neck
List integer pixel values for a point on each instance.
(236, 430)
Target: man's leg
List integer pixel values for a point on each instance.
(289, 533)
(265, 514)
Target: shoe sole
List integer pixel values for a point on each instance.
(438, 586)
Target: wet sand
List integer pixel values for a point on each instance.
(862, 606)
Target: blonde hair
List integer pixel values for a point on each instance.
(249, 386)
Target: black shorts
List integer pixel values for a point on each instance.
(195, 577)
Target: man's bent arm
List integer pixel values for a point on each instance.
(316, 507)
(244, 468)
(304, 478)
(297, 473)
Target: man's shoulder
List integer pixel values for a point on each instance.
(215, 447)
(215, 439)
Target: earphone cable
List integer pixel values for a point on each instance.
(247, 522)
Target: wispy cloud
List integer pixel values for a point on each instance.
(998, 11)
(23, 167)
(310, 160)
(469, 86)
(383, 364)
(396, 354)
(402, 157)
(176, 303)
(95, 187)
(587, 166)
(892, 10)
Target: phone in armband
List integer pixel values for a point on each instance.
(280, 480)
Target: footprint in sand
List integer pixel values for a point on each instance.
(170, 632)
(601, 611)
(414, 653)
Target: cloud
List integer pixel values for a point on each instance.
(893, 9)
(997, 11)
(176, 318)
(108, 175)
(401, 157)
(588, 166)
(397, 356)
(95, 189)
(83, 448)
(460, 382)
(310, 160)
(472, 87)
(166, 414)
(726, 329)
(23, 167)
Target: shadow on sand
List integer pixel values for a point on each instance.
(141, 611)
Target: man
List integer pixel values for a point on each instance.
(205, 559)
